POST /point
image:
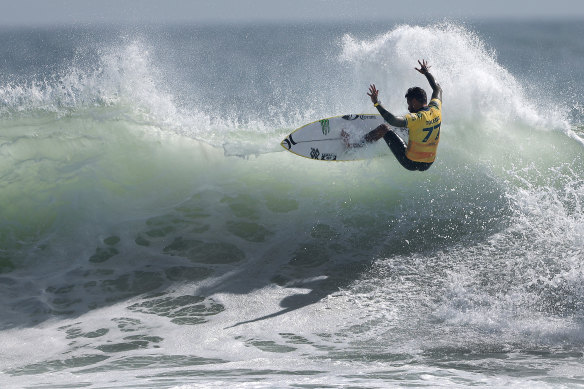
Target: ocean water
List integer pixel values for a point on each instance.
(153, 232)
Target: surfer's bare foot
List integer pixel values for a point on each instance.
(345, 137)
(347, 140)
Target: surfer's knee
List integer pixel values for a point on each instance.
(383, 127)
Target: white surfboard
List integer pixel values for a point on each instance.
(339, 138)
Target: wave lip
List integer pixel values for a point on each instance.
(476, 88)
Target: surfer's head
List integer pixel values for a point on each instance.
(417, 99)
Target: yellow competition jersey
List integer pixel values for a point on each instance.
(424, 128)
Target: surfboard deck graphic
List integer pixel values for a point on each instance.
(327, 139)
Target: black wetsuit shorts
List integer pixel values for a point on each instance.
(398, 148)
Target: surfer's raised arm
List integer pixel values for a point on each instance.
(436, 89)
(395, 121)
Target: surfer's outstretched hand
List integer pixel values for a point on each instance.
(373, 93)
(424, 67)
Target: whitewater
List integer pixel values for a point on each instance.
(153, 232)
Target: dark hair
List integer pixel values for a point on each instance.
(417, 93)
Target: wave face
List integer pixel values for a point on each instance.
(154, 230)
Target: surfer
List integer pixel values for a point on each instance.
(423, 123)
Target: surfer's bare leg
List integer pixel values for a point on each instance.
(377, 133)
(373, 136)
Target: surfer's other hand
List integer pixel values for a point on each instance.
(373, 93)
